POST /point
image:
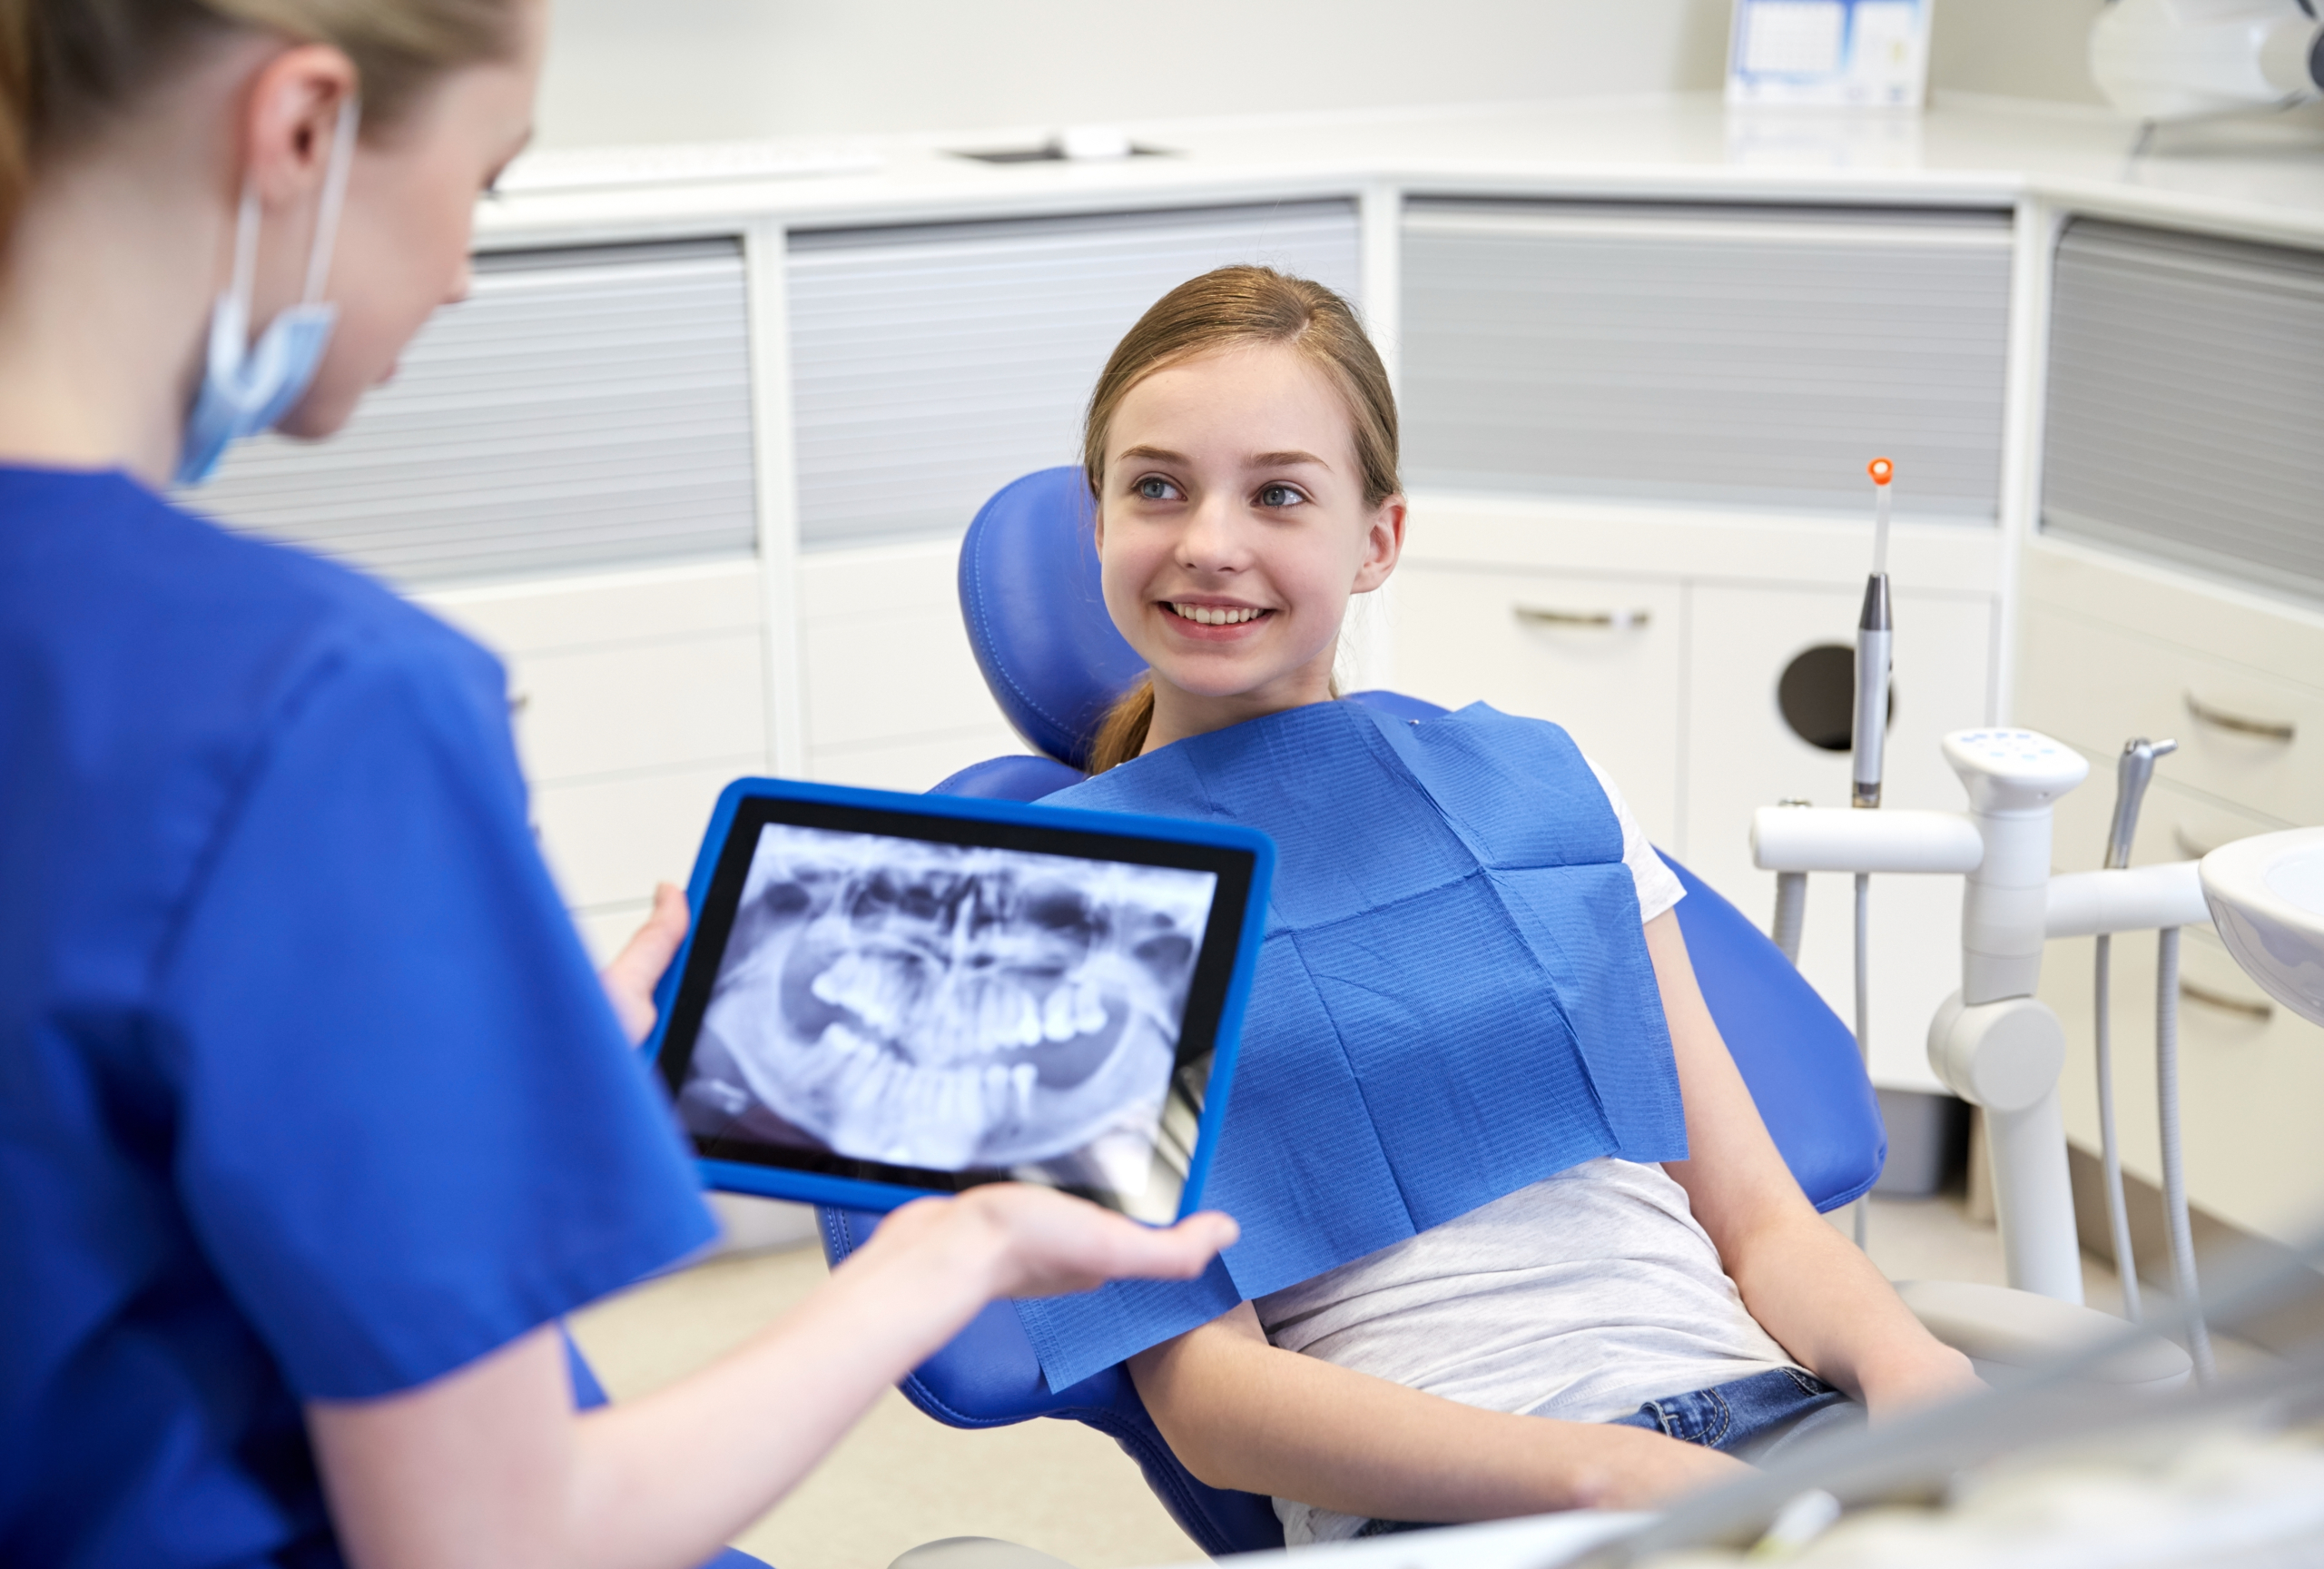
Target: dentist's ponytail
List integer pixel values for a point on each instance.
(70, 68)
(1232, 308)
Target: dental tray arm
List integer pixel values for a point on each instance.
(1837, 839)
(2135, 899)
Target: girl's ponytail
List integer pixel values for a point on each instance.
(1121, 734)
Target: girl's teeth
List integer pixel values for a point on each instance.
(1216, 615)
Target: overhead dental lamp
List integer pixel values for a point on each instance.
(2189, 59)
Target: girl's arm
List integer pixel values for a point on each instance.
(490, 1466)
(1806, 1284)
(1241, 1413)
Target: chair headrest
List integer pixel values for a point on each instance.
(1036, 617)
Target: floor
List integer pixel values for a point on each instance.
(900, 1479)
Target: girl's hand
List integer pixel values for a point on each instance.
(1633, 1468)
(1935, 1374)
(1020, 1240)
(629, 981)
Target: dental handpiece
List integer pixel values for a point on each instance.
(2132, 772)
(1873, 631)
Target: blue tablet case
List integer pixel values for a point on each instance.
(818, 1188)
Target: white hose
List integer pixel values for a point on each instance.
(1862, 1207)
(2174, 1176)
(2118, 1213)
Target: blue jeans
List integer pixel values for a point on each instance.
(1751, 1419)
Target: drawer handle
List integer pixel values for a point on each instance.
(518, 701)
(1613, 621)
(2242, 724)
(2224, 1002)
(2188, 847)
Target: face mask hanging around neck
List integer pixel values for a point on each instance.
(247, 387)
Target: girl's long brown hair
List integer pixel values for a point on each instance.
(1232, 308)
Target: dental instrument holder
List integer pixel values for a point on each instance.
(1992, 1042)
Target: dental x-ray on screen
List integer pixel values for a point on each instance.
(883, 1006)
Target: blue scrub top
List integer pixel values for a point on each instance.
(306, 1088)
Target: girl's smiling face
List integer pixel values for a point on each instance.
(1232, 529)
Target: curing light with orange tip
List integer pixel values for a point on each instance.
(1873, 631)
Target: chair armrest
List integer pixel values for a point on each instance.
(1996, 1327)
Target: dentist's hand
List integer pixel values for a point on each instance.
(1018, 1240)
(636, 969)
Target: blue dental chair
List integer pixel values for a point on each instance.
(1038, 623)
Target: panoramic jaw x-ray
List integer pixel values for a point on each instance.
(950, 1007)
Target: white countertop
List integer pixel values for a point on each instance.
(2257, 177)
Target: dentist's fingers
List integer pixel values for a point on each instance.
(637, 969)
(1037, 1242)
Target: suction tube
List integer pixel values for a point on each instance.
(2174, 1174)
(2132, 772)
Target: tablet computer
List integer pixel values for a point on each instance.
(885, 996)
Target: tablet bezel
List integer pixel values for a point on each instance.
(1242, 858)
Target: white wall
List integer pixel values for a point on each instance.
(684, 70)
(634, 70)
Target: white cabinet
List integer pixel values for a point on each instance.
(2113, 649)
(1599, 655)
(636, 697)
(894, 699)
(586, 406)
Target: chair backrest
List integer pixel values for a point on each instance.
(1037, 620)
(1054, 661)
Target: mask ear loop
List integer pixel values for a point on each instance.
(245, 279)
(335, 172)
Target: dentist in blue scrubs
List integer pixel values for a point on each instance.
(313, 1117)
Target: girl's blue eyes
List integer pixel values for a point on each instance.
(1154, 488)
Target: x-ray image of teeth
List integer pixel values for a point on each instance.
(950, 1007)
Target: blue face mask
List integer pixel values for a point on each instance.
(246, 386)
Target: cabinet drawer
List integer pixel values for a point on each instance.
(1602, 657)
(915, 765)
(609, 840)
(891, 676)
(2250, 1074)
(2245, 736)
(594, 711)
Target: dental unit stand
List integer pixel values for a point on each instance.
(1992, 1042)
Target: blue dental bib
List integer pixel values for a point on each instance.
(1453, 1000)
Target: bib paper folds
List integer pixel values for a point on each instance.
(1453, 1000)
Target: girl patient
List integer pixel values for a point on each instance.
(1610, 1335)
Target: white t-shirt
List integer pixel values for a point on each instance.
(1580, 1296)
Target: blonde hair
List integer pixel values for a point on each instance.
(67, 67)
(1232, 308)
